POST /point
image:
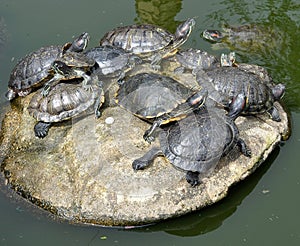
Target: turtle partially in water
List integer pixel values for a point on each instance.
(32, 71)
(158, 99)
(148, 41)
(241, 90)
(64, 101)
(246, 38)
(196, 143)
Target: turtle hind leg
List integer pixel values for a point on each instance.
(274, 114)
(243, 147)
(192, 178)
(144, 161)
(41, 129)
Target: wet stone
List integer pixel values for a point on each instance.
(82, 170)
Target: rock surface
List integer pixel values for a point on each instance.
(82, 170)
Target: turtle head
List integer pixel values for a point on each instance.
(79, 44)
(278, 91)
(60, 67)
(228, 60)
(185, 29)
(198, 99)
(212, 35)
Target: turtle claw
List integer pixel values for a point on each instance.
(41, 129)
(148, 137)
(45, 91)
(140, 164)
(192, 178)
(244, 148)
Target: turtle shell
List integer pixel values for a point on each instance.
(77, 60)
(33, 70)
(196, 59)
(197, 142)
(226, 83)
(146, 39)
(150, 95)
(111, 60)
(64, 101)
(138, 39)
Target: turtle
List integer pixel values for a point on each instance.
(229, 60)
(196, 143)
(195, 59)
(69, 66)
(31, 72)
(149, 41)
(241, 91)
(64, 101)
(112, 61)
(246, 38)
(158, 99)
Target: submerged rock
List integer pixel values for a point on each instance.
(82, 171)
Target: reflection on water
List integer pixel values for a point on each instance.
(213, 217)
(158, 12)
(280, 53)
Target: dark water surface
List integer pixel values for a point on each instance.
(262, 210)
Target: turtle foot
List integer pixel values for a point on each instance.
(148, 136)
(274, 114)
(41, 129)
(192, 178)
(140, 164)
(244, 148)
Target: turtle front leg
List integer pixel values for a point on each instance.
(86, 80)
(148, 135)
(97, 106)
(192, 178)
(274, 114)
(244, 148)
(144, 161)
(41, 129)
(50, 84)
(155, 62)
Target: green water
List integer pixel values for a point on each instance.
(263, 209)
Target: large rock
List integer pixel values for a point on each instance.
(82, 170)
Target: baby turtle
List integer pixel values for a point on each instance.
(241, 91)
(64, 101)
(158, 99)
(149, 41)
(196, 143)
(31, 72)
(112, 61)
(195, 59)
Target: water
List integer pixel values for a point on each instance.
(261, 209)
